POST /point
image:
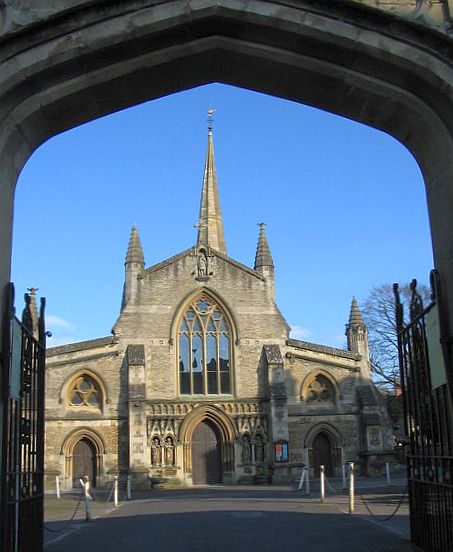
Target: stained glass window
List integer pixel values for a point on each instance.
(204, 350)
(85, 392)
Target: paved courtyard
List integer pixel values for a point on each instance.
(236, 519)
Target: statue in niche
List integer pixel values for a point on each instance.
(202, 264)
(156, 452)
(246, 450)
(259, 449)
(169, 452)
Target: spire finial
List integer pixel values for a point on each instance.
(355, 316)
(263, 257)
(211, 112)
(134, 250)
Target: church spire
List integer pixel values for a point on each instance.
(263, 257)
(210, 224)
(134, 250)
(357, 335)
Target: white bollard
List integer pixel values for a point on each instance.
(301, 481)
(351, 488)
(323, 483)
(115, 490)
(343, 476)
(128, 487)
(57, 486)
(387, 473)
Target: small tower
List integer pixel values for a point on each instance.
(357, 334)
(134, 266)
(210, 224)
(264, 263)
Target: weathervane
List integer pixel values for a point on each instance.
(211, 112)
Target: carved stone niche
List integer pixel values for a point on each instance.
(203, 265)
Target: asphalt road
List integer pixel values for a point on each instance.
(237, 519)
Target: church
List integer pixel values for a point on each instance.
(200, 383)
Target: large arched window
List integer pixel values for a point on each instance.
(319, 390)
(204, 350)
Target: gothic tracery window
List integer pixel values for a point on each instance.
(204, 350)
(85, 391)
(320, 391)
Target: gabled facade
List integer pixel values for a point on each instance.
(201, 383)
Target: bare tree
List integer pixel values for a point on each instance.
(378, 312)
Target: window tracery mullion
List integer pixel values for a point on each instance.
(191, 361)
(218, 362)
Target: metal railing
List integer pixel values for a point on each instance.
(425, 373)
(23, 359)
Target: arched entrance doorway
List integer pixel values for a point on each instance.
(208, 434)
(84, 462)
(322, 454)
(206, 454)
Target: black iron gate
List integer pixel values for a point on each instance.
(426, 379)
(22, 466)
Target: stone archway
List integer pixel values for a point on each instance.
(61, 68)
(83, 451)
(213, 433)
(65, 63)
(324, 445)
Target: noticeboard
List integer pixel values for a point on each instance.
(281, 451)
(435, 353)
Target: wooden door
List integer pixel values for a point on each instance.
(206, 457)
(322, 454)
(84, 462)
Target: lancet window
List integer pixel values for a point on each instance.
(204, 350)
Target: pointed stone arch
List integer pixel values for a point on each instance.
(71, 379)
(97, 444)
(333, 437)
(226, 430)
(188, 298)
(312, 376)
(337, 56)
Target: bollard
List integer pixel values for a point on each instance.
(351, 488)
(323, 483)
(387, 473)
(343, 476)
(128, 487)
(301, 482)
(115, 490)
(85, 482)
(57, 486)
(307, 480)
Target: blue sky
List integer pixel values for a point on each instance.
(344, 206)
